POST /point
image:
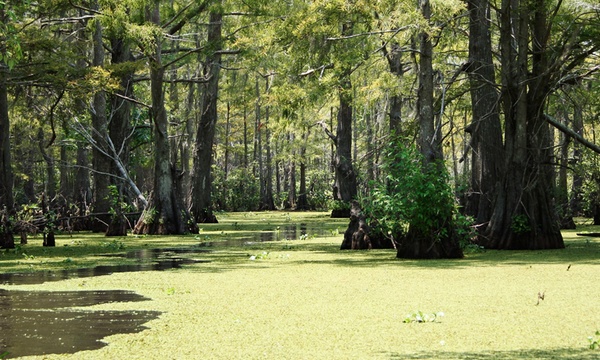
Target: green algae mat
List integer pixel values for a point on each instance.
(275, 286)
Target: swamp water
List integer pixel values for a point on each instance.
(43, 322)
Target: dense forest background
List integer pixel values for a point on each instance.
(447, 121)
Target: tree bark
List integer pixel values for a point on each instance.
(394, 58)
(201, 201)
(345, 176)
(562, 186)
(356, 236)
(118, 128)
(165, 213)
(523, 215)
(267, 202)
(7, 240)
(302, 193)
(101, 163)
(485, 129)
(577, 184)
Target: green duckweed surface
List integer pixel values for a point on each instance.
(305, 299)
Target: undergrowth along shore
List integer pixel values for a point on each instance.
(303, 298)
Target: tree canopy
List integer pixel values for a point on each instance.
(163, 113)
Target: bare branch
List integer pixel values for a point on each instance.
(394, 31)
(66, 20)
(200, 8)
(329, 133)
(84, 8)
(320, 69)
(569, 132)
(132, 100)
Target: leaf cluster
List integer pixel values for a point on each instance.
(414, 193)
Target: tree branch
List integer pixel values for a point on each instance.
(329, 133)
(200, 8)
(395, 31)
(569, 132)
(320, 68)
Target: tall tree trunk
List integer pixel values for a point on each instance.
(267, 202)
(82, 188)
(485, 129)
(562, 186)
(292, 184)
(420, 243)
(165, 213)
(394, 58)
(201, 201)
(101, 163)
(118, 128)
(188, 144)
(345, 177)
(523, 215)
(66, 183)
(50, 183)
(7, 240)
(577, 184)
(302, 193)
(245, 137)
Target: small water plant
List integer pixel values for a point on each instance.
(114, 245)
(260, 256)
(422, 317)
(594, 341)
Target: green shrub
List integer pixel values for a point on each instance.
(414, 194)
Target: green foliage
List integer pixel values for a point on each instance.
(414, 194)
(117, 206)
(520, 224)
(149, 215)
(421, 317)
(114, 245)
(594, 341)
(319, 189)
(11, 51)
(239, 192)
(338, 205)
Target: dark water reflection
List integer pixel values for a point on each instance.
(288, 232)
(155, 259)
(41, 322)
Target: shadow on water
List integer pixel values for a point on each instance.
(41, 322)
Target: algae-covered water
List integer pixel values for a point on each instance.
(236, 296)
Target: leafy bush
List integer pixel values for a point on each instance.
(414, 194)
